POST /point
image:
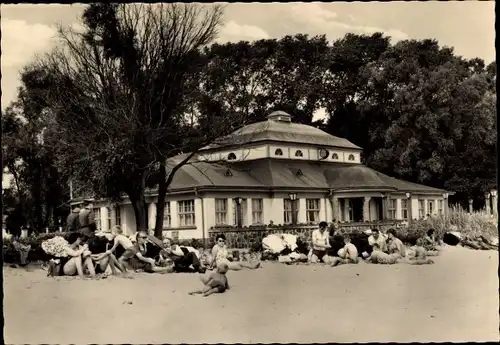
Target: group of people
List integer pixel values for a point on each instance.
(333, 249)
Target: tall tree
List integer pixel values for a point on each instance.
(123, 96)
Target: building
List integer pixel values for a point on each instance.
(279, 172)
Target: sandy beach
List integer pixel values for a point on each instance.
(456, 299)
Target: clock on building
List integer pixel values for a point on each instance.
(323, 153)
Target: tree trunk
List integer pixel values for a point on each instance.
(163, 183)
(160, 205)
(138, 200)
(139, 206)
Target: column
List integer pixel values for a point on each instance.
(104, 219)
(385, 200)
(410, 209)
(471, 202)
(113, 215)
(335, 208)
(494, 200)
(151, 216)
(301, 205)
(426, 208)
(436, 207)
(366, 209)
(231, 204)
(249, 218)
(322, 210)
(174, 214)
(399, 213)
(487, 202)
(446, 210)
(347, 204)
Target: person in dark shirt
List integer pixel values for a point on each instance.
(72, 222)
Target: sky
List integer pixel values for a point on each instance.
(468, 27)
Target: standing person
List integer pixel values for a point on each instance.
(320, 241)
(73, 221)
(86, 219)
(377, 238)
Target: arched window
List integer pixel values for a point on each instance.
(351, 157)
(278, 152)
(231, 157)
(298, 153)
(335, 156)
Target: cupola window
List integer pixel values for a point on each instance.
(231, 157)
(299, 153)
(335, 156)
(278, 152)
(351, 157)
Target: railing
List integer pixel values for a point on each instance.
(247, 237)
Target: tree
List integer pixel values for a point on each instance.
(122, 96)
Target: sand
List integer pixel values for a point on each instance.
(456, 299)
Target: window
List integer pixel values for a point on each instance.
(167, 215)
(391, 209)
(186, 213)
(109, 218)
(312, 211)
(431, 207)
(441, 207)
(278, 152)
(350, 210)
(287, 210)
(118, 215)
(220, 211)
(243, 212)
(421, 209)
(97, 217)
(351, 157)
(298, 153)
(231, 157)
(335, 156)
(257, 210)
(404, 208)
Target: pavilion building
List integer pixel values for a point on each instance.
(277, 172)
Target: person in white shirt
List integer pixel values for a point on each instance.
(378, 238)
(395, 245)
(320, 241)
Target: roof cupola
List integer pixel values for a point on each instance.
(279, 116)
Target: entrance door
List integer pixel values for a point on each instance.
(357, 209)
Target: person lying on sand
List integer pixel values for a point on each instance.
(220, 255)
(346, 255)
(139, 261)
(215, 282)
(379, 257)
(183, 261)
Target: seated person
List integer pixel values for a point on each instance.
(429, 241)
(220, 254)
(378, 238)
(215, 282)
(183, 260)
(119, 239)
(140, 261)
(348, 254)
(395, 245)
(320, 243)
(78, 257)
(379, 257)
(102, 258)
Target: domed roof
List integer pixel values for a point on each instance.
(280, 128)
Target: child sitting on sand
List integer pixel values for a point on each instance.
(216, 282)
(125, 242)
(348, 254)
